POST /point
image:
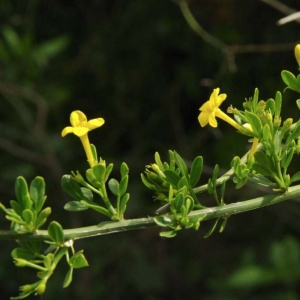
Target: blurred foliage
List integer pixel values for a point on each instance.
(138, 65)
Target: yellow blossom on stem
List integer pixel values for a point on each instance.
(80, 127)
(297, 54)
(210, 110)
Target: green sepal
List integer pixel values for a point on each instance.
(196, 170)
(298, 103)
(181, 164)
(22, 194)
(37, 193)
(78, 260)
(68, 278)
(114, 185)
(56, 233)
(75, 206)
(291, 81)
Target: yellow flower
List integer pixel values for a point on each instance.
(210, 110)
(297, 54)
(81, 127)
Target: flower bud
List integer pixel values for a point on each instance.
(297, 54)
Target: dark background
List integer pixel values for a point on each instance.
(137, 64)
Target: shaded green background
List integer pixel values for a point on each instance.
(137, 64)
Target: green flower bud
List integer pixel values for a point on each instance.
(297, 54)
(20, 262)
(41, 288)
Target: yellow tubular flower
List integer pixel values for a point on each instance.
(210, 110)
(297, 54)
(81, 127)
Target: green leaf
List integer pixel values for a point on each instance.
(124, 170)
(75, 206)
(97, 208)
(21, 191)
(68, 278)
(182, 183)
(11, 38)
(99, 172)
(171, 177)
(262, 164)
(22, 253)
(295, 177)
(28, 216)
(113, 185)
(49, 49)
(294, 134)
(16, 207)
(37, 193)
(158, 161)
(123, 185)
(147, 182)
(87, 194)
(71, 187)
(196, 170)
(56, 233)
(181, 164)
(123, 203)
(168, 234)
(108, 170)
(48, 259)
(42, 217)
(78, 260)
(163, 221)
(261, 180)
(291, 81)
(255, 123)
(270, 105)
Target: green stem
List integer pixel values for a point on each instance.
(125, 225)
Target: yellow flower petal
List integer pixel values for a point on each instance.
(297, 54)
(212, 120)
(78, 118)
(66, 131)
(203, 118)
(95, 123)
(80, 131)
